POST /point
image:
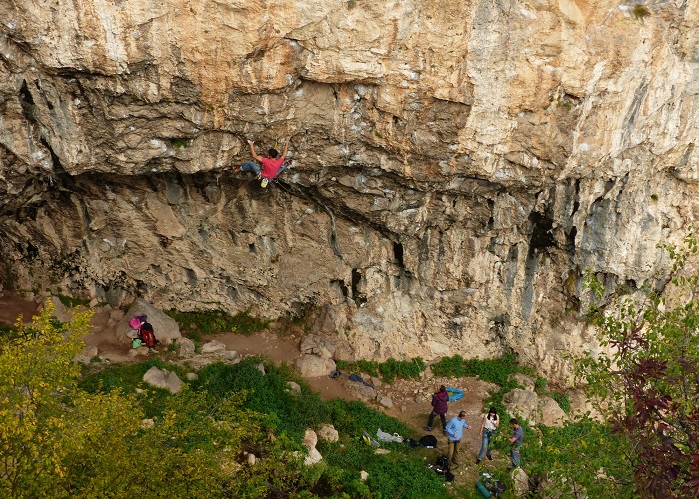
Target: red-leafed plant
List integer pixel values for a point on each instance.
(647, 381)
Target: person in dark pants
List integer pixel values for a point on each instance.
(440, 403)
(454, 432)
(516, 441)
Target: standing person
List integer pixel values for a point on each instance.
(516, 441)
(440, 403)
(272, 165)
(454, 432)
(491, 422)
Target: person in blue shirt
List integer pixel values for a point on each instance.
(454, 432)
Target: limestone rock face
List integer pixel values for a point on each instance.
(456, 166)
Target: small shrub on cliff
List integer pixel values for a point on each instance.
(640, 11)
(194, 324)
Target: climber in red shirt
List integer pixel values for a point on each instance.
(272, 165)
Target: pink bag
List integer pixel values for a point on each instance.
(135, 323)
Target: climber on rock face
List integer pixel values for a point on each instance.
(272, 164)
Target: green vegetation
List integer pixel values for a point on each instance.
(71, 302)
(194, 324)
(496, 371)
(648, 383)
(70, 431)
(180, 143)
(640, 11)
(387, 371)
(7, 331)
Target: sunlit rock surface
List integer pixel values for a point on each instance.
(456, 165)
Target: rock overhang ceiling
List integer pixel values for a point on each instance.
(457, 166)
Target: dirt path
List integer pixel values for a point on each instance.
(411, 398)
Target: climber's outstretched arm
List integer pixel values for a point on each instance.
(252, 150)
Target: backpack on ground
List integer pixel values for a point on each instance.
(442, 466)
(147, 335)
(488, 486)
(411, 442)
(429, 441)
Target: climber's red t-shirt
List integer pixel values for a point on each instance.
(270, 167)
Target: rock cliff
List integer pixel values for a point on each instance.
(456, 166)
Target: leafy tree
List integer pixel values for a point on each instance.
(37, 376)
(648, 379)
(57, 440)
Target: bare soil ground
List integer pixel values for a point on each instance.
(411, 398)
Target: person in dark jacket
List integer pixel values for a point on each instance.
(440, 402)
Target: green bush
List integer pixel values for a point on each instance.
(71, 302)
(264, 393)
(128, 377)
(194, 324)
(7, 332)
(388, 371)
(450, 367)
(541, 384)
(495, 371)
(353, 418)
(563, 401)
(394, 475)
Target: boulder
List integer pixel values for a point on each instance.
(520, 482)
(231, 356)
(294, 387)
(86, 356)
(186, 347)
(135, 352)
(384, 400)
(165, 328)
(328, 433)
(551, 413)
(526, 381)
(361, 391)
(311, 366)
(162, 378)
(316, 345)
(310, 440)
(213, 347)
(313, 457)
(524, 403)
(60, 311)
